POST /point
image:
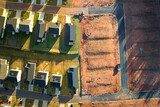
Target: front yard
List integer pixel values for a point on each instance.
(1, 11)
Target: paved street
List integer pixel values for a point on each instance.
(124, 94)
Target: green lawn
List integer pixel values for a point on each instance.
(8, 84)
(27, 1)
(1, 11)
(11, 13)
(24, 15)
(48, 17)
(67, 3)
(37, 89)
(29, 102)
(51, 2)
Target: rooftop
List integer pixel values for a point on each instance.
(11, 24)
(24, 25)
(54, 28)
(70, 33)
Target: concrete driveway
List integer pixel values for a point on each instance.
(18, 86)
(43, 2)
(59, 2)
(45, 104)
(33, 1)
(55, 18)
(41, 16)
(35, 103)
(30, 88)
(68, 19)
(23, 101)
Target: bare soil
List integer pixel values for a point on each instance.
(92, 3)
(143, 44)
(99, 55)
(126, 103)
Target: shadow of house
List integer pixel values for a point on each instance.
(42, 78)
(73, 81)
(40, 31)
(29, 72)
(2, 22)
(11, 25)
(56, 82)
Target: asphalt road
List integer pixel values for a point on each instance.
(124, 94)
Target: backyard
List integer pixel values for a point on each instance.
(56, 63)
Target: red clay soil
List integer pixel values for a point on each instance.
(99, 55)
(143, 44)
(92, 3)
(126, 103)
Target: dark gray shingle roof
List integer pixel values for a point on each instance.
(73, 78)
(70, 33)
(54, 28)
(24, 25)
(40, 32)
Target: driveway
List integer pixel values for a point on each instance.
(68, 19)
(55, 18)
(41, 16)
(59, 2)
(33, 1)
(31, 17)
(18, 86)
(35, 103)
(45, 104)
(43, 2)
(23, 101)
(30, 88)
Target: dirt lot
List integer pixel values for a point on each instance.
(129, 103)
(92, 3)
(99, 55)
(143, 44)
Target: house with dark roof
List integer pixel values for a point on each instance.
(56, 82)
(4, 68)
(73, 81)
(29, 72)
(14, 75)
(42, 78)
(70, 34)
(11, 25)
(40, 31)
(2, 23)
(25, 25)
(54, 29)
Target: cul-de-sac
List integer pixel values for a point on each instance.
(79, 53)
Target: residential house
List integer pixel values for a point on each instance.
(56, 82)
(2, 23)
(40, 31)
(25, 25)
(70, 34)
(14, 75)
(73, 81)
(42, 78)
(54, 29)
(29, 72)
(4, 68)
(11, 25)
